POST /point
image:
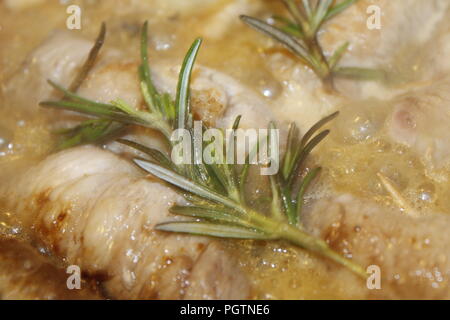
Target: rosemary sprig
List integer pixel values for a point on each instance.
(215, 193)
(90, 61)
(91, 130)
(300, 36)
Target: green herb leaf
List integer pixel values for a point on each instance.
(339, 8)
(360, 74)
(183, 94)
(320, 13)
(89, 64)
(316, 128)
(154, 154)
(305, 152)
(90, 131)
(301, 38)
(206, 213)
(186, 184)
(284, 38)
(296, 13)
(337, 55)
(303, 187)
(292, 149)
(144, 71)
(212, 230)
(215, 192)
(276, 204)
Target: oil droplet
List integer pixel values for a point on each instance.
(270, 88)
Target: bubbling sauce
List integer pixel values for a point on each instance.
(356, 150)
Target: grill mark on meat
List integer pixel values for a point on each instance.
(99, 276)
(49, 236)
(335, 233)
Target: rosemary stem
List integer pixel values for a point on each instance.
(323, 69)
(328, 84)
(281, 230)
(162, 125)
(300, 238)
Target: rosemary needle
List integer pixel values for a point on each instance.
(399, 200)
(92, 130)
(89, 64)
(215, 192)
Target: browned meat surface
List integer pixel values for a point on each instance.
(412, 253)
(92, 208)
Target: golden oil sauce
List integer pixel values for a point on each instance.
(358, 149)
(351, 158)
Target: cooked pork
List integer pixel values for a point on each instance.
(420, 120)
(62, 54)
(412, 253)
(402, 23)
(91, 207)
(56, 59)
(95, 210)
